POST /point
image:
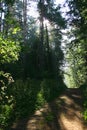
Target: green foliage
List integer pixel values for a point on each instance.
(9, 50)
(9, 2)
(31, 95)
(51, 88)
(49, 117)
(5, 95)
(40, 100)
(84, 91)
(52, 13)
(25, 94)
(85, 114)
(78, 46)
(6, 112)
(85, 107)
(69, 78)
(6, 99)
(23, 97)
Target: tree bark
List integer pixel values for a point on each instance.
(41, 45)
(25, 20)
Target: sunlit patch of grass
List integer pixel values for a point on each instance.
(85, 115)
(40, 101)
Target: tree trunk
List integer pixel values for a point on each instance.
(0, 16)
(24, 37)
(25, 20)
(48, 50)
(41, 46)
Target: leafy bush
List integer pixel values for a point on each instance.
(9, 50)
(49, 117)
(6, 99)
(5, 114)
(32, 94)
(85, 114)
(24, 97)
(51, 88)
(40, 100)
(84, 90)
(25, 94)
(5, 94)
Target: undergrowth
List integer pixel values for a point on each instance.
(28, 96)
(84, 90)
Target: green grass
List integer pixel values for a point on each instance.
(28, 96)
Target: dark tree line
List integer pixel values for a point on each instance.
(38, 50)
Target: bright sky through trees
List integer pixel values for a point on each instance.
(59, 1)
(33, 7)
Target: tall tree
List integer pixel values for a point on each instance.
(25, 20)
(77, 19)
(49, 12)
(41, 46)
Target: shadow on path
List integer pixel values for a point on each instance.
(64, 113)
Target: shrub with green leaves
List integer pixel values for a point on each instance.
(6, 99)
(32, 94)
(25, 94)
(5, 94)
(9, 50)
(5, 115)
(51, 88)
(24, 97)
(84, 90)
(49, 117)
(40, 99)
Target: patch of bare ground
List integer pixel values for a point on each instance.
(64, 113)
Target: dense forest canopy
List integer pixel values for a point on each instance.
(33, 51)
(38, 42)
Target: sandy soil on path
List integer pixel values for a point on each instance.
(64, 113)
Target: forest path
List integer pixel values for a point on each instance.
(64, 113)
